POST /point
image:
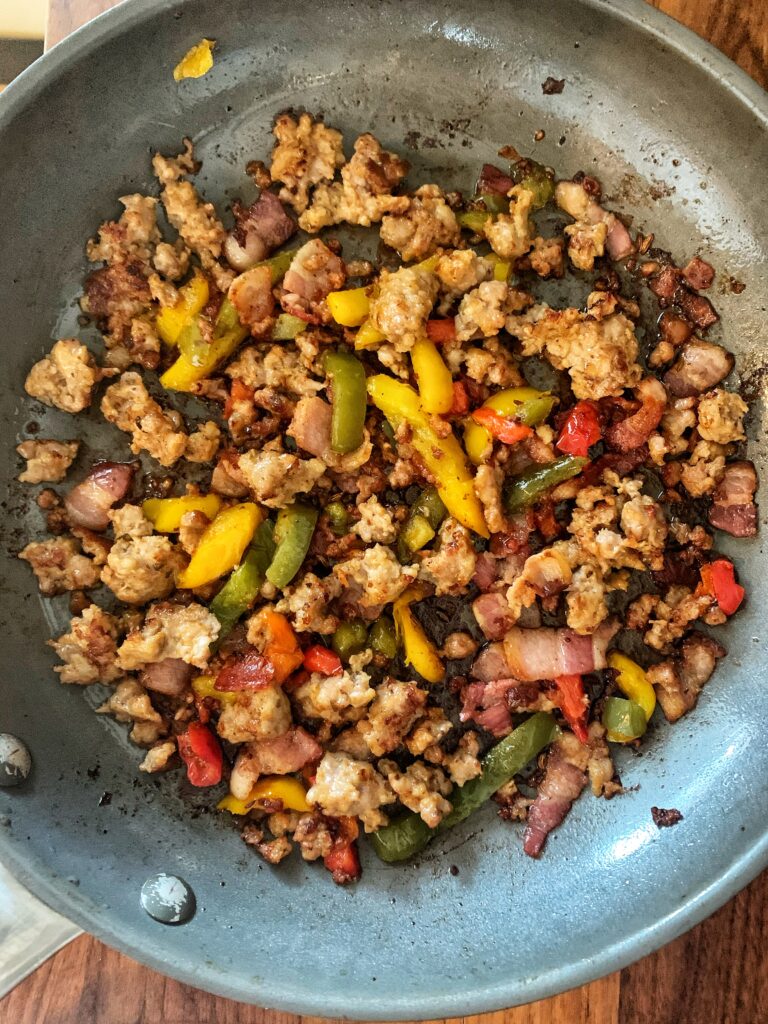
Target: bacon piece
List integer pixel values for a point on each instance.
(283, 754)
(251, 295)
(259, 228)
(562, 784)
(486, 571)
(491, 663)
(314, 272)
(665, 283)
(634, 430)
(493, 614)
(546, 653)
(618, 241)
(698, 274)
(733, 508)
(491, 704)
(170, 676)
(248, 671)
(700, 365)
(698, 309)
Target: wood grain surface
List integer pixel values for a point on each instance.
(716, 974)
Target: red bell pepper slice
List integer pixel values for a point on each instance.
(580, 430)
(320, 659)
(573, 703)
(200, 751)
(718, 580)
(344, 863)
(504, 428)
(441, 330)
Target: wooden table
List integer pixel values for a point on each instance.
(716, 974)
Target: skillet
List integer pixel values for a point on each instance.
(677, 135)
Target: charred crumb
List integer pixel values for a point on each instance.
(665, 817)
(552, 86)
(105, 799)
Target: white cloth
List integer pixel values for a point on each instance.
(29, 932)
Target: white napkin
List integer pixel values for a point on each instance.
(29, 932)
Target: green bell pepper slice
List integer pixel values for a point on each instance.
(293, 534)
(350, 638)
(338, 518)
(494, 203)
(383, 638)
(423, 522)
(348, 402)
(288, 327)
(242, 588)
(409, 835)
(473, 220)
(528, 487)
(624, 720)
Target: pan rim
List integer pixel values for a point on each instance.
(506, 992)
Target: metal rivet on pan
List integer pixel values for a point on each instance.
(168, 899)
(15, 762)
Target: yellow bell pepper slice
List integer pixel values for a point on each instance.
(184, 374)
(171, 320)
(432, 376)
(285, 788)
(350, 307)
(419, 651)
(442, 456)
(196, 61)
(633, 682)
(203, 686)
(222, 545)
(165, 513)
(501, 268)
(530, 405)
(430, 262)
(368, 336)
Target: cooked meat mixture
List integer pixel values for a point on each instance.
(399, 568)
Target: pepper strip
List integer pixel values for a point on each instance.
(166, 514)
(432, 376)
(527, 405)
(442, 456)
(624, 720)
(418, 650)
(293, 535)
(242, 588)
(171, 320)
(528, 487)
(222, 545)
(348, 401)
(349, 307)
(633, 682)
(409, 835)
(199, 358)
(285, 788)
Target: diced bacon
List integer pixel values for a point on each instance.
(546, 653)
(493, 615)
